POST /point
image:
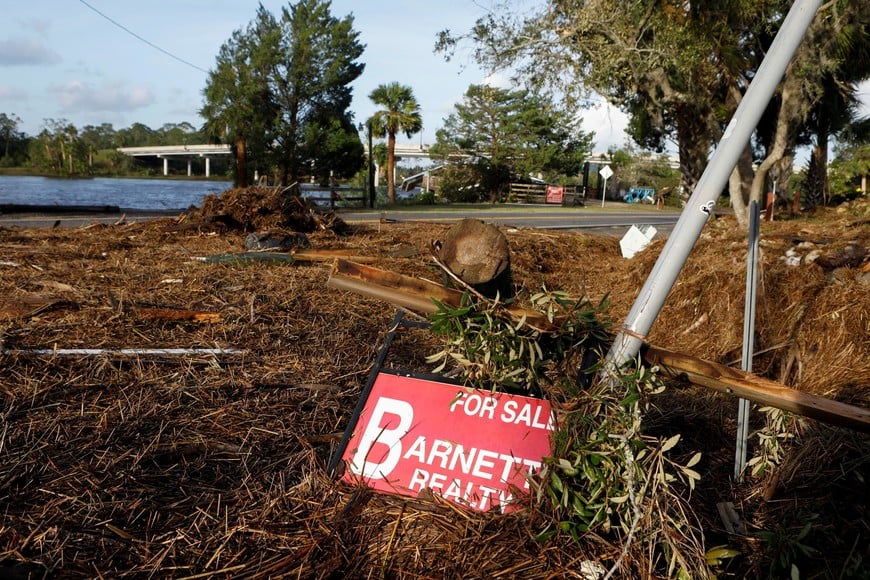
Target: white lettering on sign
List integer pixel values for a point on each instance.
(524, 416)
(469, 493)
(475, 405)
(481, 463)
(376, 433)
(513, 411)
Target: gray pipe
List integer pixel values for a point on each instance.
(700, 205)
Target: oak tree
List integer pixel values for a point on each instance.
(678, 69)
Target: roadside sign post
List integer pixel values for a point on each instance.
(606, 172)
(743, 406)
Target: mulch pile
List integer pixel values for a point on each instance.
(259, 208)
(148, 463)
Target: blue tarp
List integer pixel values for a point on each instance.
(640, 195)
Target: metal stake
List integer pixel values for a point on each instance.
(748, 337)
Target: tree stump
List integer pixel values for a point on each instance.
(479, 255)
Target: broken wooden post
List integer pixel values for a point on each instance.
(416, 294)
(757, 389)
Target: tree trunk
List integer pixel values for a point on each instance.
(479, 254)
(739, 183)
(693, 150)
(793, 109)
(817, 182)
(241, 162)
(391, 167)
(814, 185)
(783, 176)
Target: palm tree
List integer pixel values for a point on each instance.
(401, 112)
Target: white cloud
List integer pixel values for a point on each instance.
(23, 52)
(498, 80)
(77, 96)
(608, 123)
(38, 25)
(11, 94)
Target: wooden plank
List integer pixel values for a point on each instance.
(757, 389)
(413, 293)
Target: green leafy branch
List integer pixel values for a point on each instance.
(606, 477)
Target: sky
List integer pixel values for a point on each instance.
(60, 59)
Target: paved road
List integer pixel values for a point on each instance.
(73, 219)
(614, 219)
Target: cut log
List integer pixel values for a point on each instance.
(479, 254)
(757, 389)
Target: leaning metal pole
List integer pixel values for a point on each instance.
(700, 205)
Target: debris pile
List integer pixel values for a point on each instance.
(259, 208)
(186, 428)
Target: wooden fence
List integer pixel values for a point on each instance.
(537, 193)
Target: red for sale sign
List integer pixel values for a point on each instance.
(555, 193)
(473, 447)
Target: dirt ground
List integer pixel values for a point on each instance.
(152, 463)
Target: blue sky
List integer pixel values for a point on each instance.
(59, 59)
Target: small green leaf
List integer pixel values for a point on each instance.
(716, 555)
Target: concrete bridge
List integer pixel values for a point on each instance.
(188, 152)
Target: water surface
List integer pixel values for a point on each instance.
(147, 194)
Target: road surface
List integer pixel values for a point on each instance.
(614, 219)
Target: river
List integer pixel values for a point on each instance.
(144, 194)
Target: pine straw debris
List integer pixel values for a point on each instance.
(214, 466)
(258, 208)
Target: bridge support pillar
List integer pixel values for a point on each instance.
(166, 166)
(188, 168)
(208, 166)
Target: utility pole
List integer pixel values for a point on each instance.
(371, 166)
